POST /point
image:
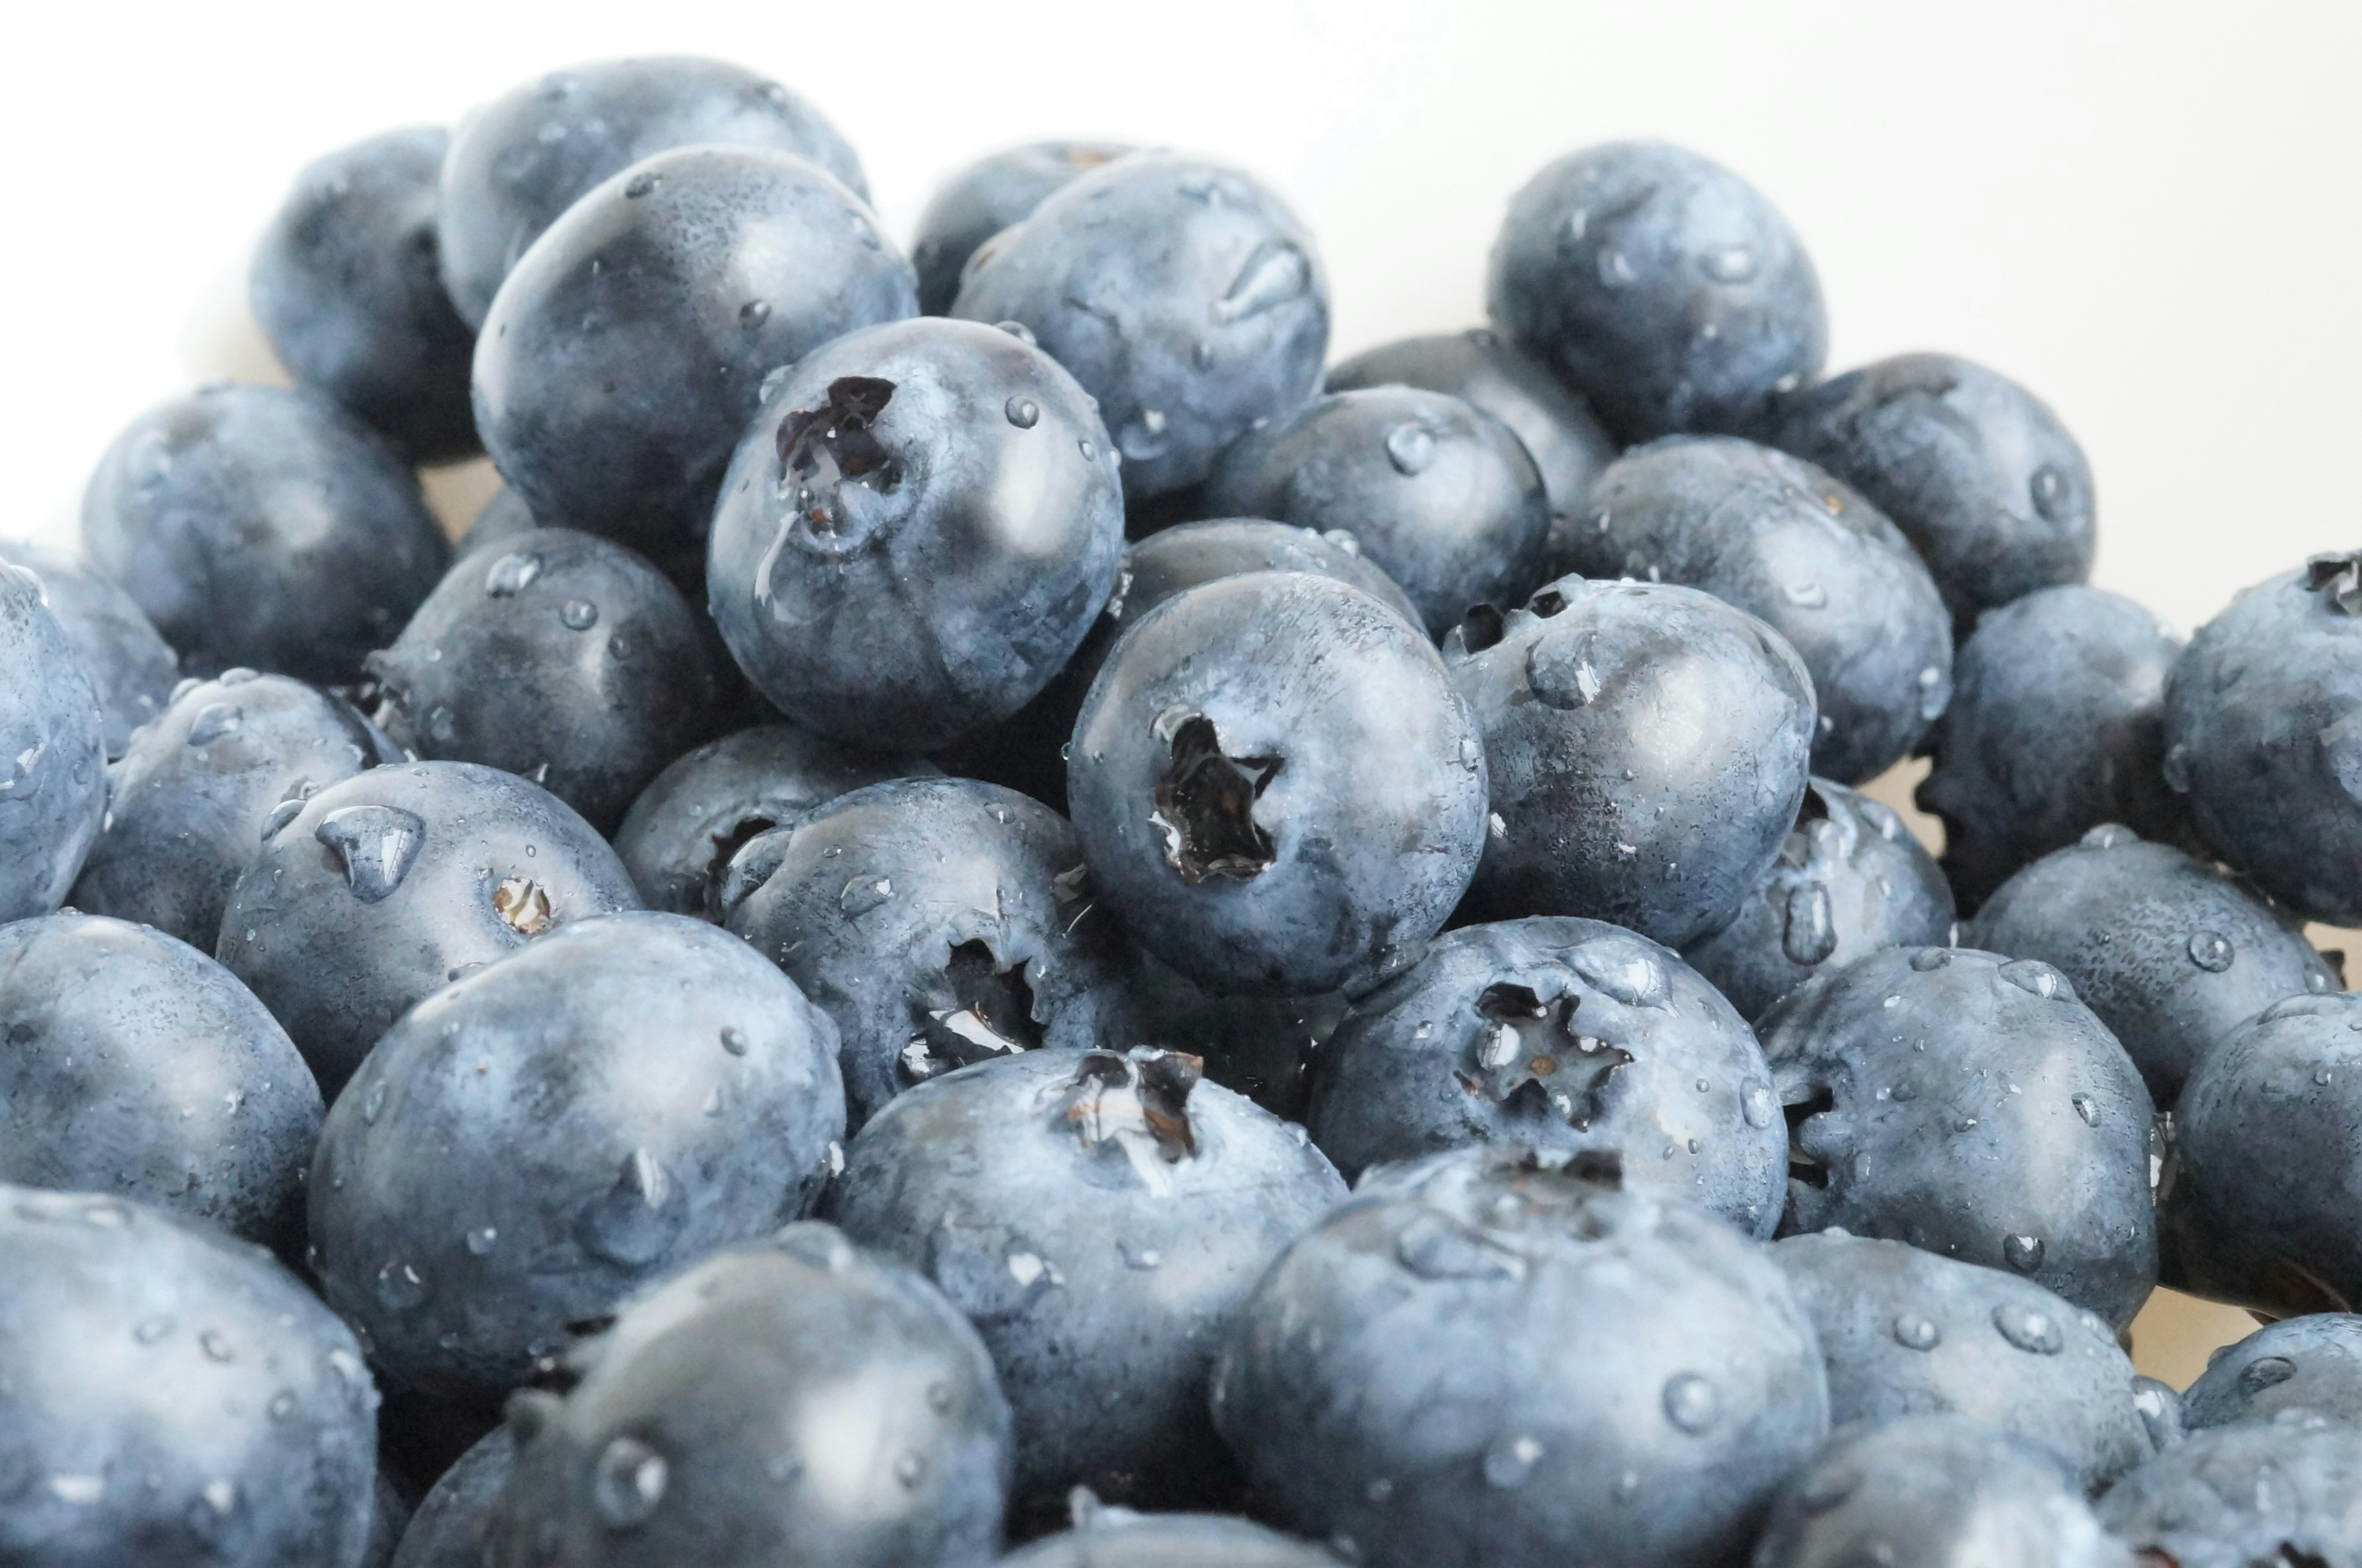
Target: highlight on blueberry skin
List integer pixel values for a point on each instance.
(2269, 1492)
(987, 197)
(1110, 1537)
(131, 668)
(53, 794)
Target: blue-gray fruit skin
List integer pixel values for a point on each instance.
(2159, 1404)
(447, 1530)
(265, 528)
(1906, 1332)
(52, 737)
(539, 1139)
(1982, 479)
(710, 1425)
(1660, 286)
(504, 517)
(1932, 1491)
(678, 836)
(1261, 1047)
(1181, 293)
(1802, 553)
(1277, 786)
(1442, 495)
(2312, 1362)
(986, 197)
(133, 1063)
(563, 658)
(174, 1396)
(1100, 1215)
(192, 796)
(1478, 1359)
(1118, 1538)
(939, 921)
(2170, 952)
(918, 529)
(2263, 729)
(626, 352)
(347, 283)
(1649, 747)
(1849, 880)
(2056, 726)
(1566, 1036)
(389, 1514)
(2259, 1493)
(131, 668)
(520, 161)
(381, 889)
(1969, 1104)
(2262, 1205)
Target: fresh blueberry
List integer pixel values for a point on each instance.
(987, 196)
(130, 666)
(504, 517)
(2056, 726)
(348, 285)
(627, 352)
(1261, 1047)
(1648, 747)
(915, 533)
(262, 526)
(174, 1398)
(447, 1530)
(1980, 477)
(1660, 286)
(52, 739)
(1277, 787)
(383, 889)
(518, 161)
(1118, 1538)
(1569, 1037)
(1480, 1358)
(2258, 1494)
(2159, 1404)
(1802, 553)
(1180, 292)
(1442, 495)
(1969, 1104)
(1849, 881)
(2313, 1362)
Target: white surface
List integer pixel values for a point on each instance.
(2146, 212)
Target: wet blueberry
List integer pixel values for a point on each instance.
(2312, 1362)
(986, 197)
(53, 747)
(1118, 1538)
(2263, 1492)
(130, 665)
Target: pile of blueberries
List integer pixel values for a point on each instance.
(811, 994)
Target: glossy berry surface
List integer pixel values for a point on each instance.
(988, 195)
(130, 667)
(52, 737)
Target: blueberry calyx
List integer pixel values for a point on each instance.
(1529, 1050)
(1137, 1099)
(1205, 807)
(822, 449)
(987, 1011)
(2338, 573)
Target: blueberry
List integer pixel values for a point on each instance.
(389, 1515)
(262, 526)
(2159, 1407)
(130, 667)
(939, 921)
(1261, 1047)
(1905, 1331)
(174, 1398)
(2312, 1362)
(447, 1530)
(986, 197)
(801, 1404)
(2261, 1492)
(1849, 880)
(916, 532)
(1660, 286)
(1482, 1358)
(383, 889)
(52, 742)
(504, 517)
(1978, 473)
(1804, 554)
(1969, 1104)
(2056, 726)
(1648, 751)
(348, 284)
(518, 161)
(1570, 1037)
(1118, 1538)
(626, 354)
(1442, 495)
(199, 788)
(1099, 1216)
(2171, 953)
(1180, 292)
(1277, 786)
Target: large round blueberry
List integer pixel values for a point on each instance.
(1980, 477)
(986, 197)
(130, 666)
(1660, 286)
(1277, 786)
(627, 350)
(1180, 292)
(1802, 553)
(2312, 1362)
(801, 1404)
(447, 1530)
(1099, 1216)
(1648, 748)
(916, 532)
(1969, 1104)
(173, 1398)
(1442, 495)
(348, 284)
(379, 891)
(1570, 1037)
(1479, 1358)
(2261, 1493)
(53, 748)
(520, 161)
(1118, 1538)
(2056, 726)
(262, 526)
